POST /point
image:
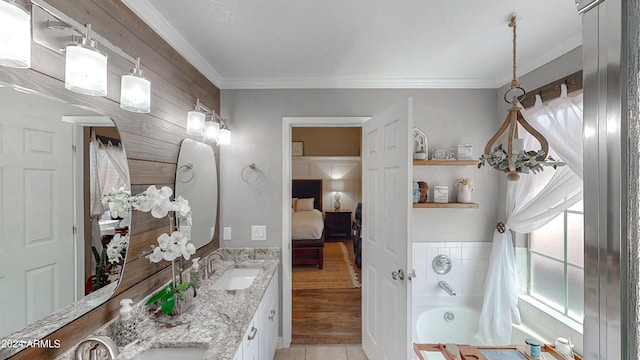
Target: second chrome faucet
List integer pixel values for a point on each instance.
(446, 287)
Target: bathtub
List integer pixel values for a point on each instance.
(430, 325)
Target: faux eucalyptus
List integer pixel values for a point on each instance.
(524, 161)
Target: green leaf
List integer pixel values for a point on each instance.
(168, 303)
(161, 294)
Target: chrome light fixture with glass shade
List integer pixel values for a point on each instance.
(135, 91)
(196, 119)
(211, 130)
(224, 136)
(15, 35)
(85, 67)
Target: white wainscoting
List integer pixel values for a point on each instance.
(346, 168)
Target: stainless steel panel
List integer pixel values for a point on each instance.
(631, 102)
(605, 185)
(586, 5)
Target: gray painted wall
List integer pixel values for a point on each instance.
(448, 117)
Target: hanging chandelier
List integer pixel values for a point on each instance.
(515, 159)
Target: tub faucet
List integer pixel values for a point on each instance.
(211, 270)
(104, 341)
(446, 287)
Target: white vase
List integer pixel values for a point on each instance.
(464, 193)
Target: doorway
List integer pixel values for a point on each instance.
(309, 295)
(326, 168)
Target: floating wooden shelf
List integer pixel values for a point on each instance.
(445, 162)
(431, 205)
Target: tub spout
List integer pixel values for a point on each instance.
(446, 287)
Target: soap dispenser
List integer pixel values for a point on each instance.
(194, 274)
(127, 327)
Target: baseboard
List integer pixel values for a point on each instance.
(280, 343)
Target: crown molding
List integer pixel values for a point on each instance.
(357, 83)
(145, 11)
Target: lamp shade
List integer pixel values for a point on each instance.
(211, 131)
(195, 123)
(85, 70)
(15, 36)
(337, 185)
(135, 93)
(224, 137)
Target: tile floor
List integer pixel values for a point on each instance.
(321, 352)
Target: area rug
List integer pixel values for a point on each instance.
(338, 273)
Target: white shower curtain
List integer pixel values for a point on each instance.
(532, 201)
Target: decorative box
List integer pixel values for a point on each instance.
(441, 194)
(465, 152)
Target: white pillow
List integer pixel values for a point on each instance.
(305, 204)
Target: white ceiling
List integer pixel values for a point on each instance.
(362, 43)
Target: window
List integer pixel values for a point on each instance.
(556, 263)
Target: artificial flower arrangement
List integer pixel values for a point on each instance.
(171, 247)
(523, 161)
(464, 181)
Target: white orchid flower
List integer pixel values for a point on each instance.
(157, 255)
(188, 250)
(164, 241)
(161, 208)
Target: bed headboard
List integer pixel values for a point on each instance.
(302, 189)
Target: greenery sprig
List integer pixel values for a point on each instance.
(524, 162)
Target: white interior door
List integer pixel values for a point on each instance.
(385, 220)
(36, 217)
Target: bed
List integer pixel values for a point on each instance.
(307, 223)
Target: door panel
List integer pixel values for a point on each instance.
(385, 232)
(36, 192)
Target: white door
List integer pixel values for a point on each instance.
(37, 258)
(385, 219)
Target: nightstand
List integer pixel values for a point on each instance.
(337, 224)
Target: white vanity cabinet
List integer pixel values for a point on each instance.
(269, 319)
(260, 339)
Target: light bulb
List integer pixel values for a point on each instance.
(224, 137)
(195, 123)
(85, 70)
(211, 131)
(135, 93)
(15, 36)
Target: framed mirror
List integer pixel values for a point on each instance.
(61, 251)
(197, 181)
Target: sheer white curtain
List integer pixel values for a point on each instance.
(108, 169)
(531, 202)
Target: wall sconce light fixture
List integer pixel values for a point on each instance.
(211, 130)
(135, 91)
(196, 119)
(224, 136)
(15, 35)
(86, 67)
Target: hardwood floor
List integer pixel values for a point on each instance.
(328, 316)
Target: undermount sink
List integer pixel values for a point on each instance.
(236, 278)
(189, 353)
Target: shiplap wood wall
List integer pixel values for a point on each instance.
(151, 141)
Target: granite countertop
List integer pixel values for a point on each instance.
(217, 319)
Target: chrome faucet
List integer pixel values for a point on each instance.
(446, 287)
(211, 270)
(104, 341)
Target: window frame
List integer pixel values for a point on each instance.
(565, 264)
